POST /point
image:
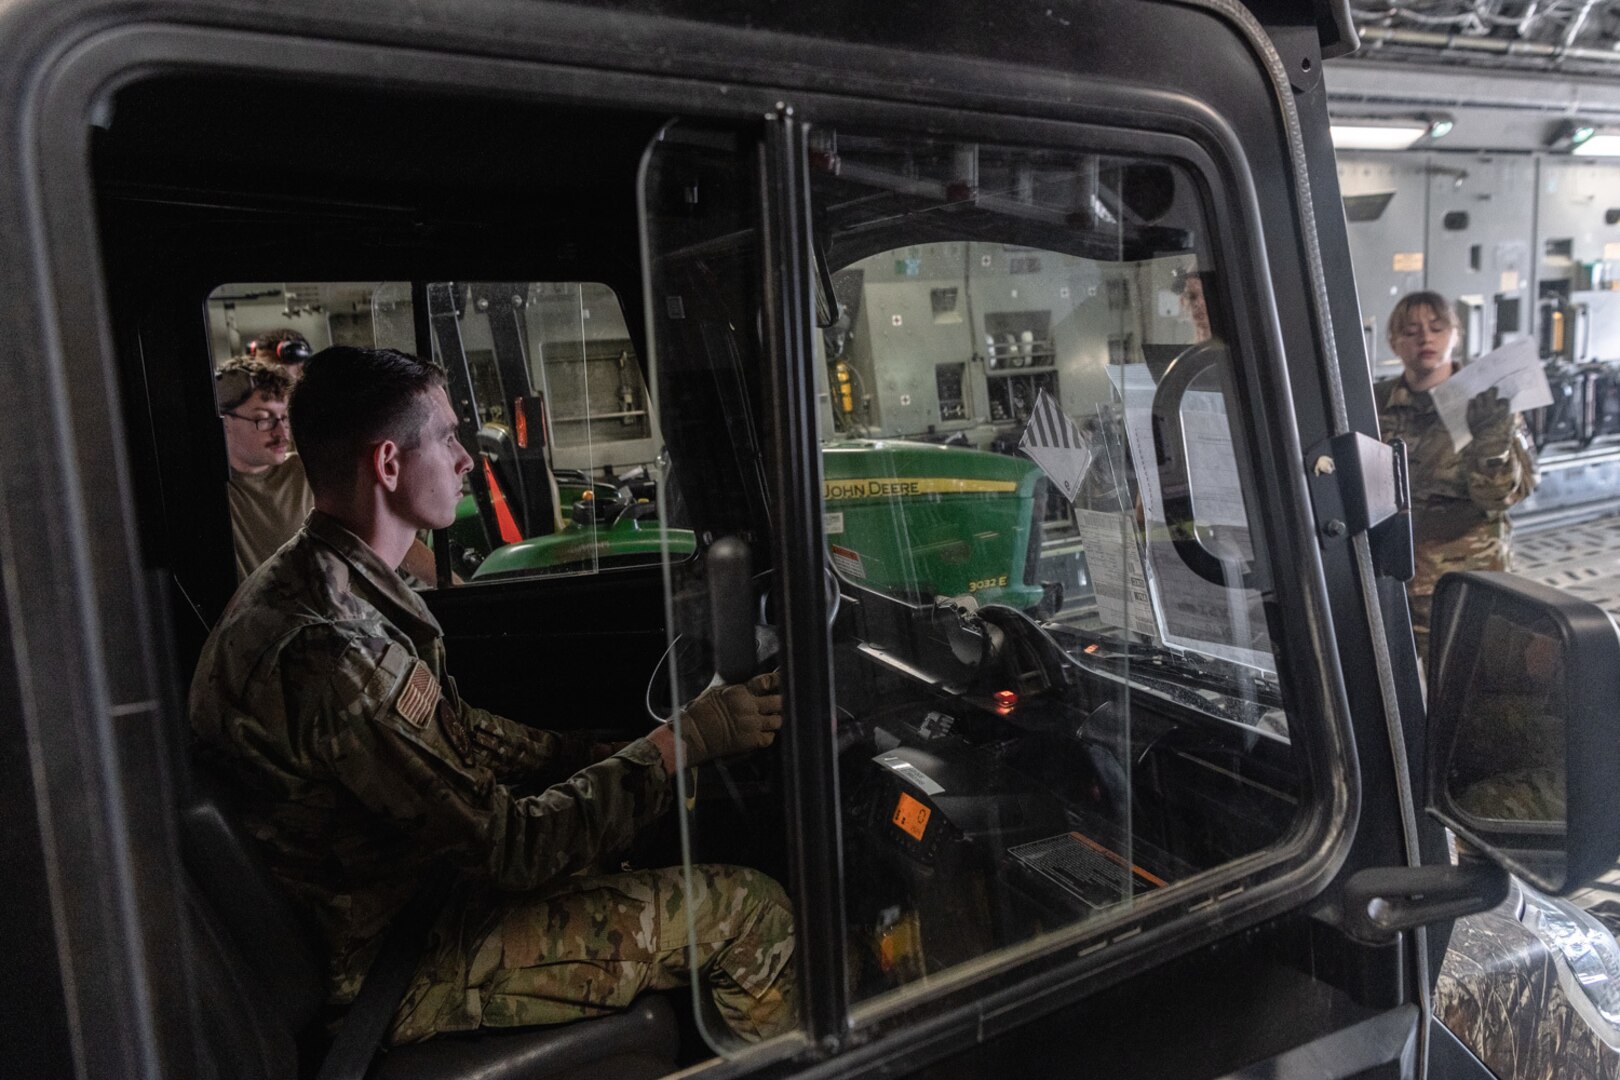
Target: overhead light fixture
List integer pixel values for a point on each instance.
(1364, 135)
(1591, 142)
(1585, 139)
(1388, 132)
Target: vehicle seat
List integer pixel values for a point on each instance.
(640, 1041)
(496, 444)
(260, 987)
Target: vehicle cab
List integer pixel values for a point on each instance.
(994, 373)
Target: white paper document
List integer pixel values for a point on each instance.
(1114, 561)
(1187, 611)
(1211, 460)
(1217, 492)
(1515, 371)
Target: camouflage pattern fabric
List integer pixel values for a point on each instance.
(590, 945)
(1528, 795)
(323, 695)
(1500, 993)
(1459, 500)
(1508, 762)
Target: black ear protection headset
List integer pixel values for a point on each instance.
(292, 351)
(288, 350)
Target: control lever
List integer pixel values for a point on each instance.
(729, 567)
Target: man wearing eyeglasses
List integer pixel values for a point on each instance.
(268, 494)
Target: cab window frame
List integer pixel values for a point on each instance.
(1250, 888)
(230, 50)
(1299, 863)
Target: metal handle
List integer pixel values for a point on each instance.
(1175, 472)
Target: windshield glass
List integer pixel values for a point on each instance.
(1056, 681)
(1056, 707)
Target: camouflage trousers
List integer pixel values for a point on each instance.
(590, 945)
(1486, 548)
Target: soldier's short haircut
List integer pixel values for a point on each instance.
(240, 376)
(1424, 299)
(351, 399)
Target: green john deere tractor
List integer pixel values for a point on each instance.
(925, 520)
(910, 519)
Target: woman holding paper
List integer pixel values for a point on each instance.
(1460, 495)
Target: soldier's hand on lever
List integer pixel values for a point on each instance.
(733, 719)
(726, 720)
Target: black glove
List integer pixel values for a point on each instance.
(733, 719)
(1491, 423)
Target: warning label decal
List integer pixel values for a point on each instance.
(846, 561)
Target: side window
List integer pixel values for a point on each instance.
(1057, 710)
(248, 319)
(1055, 672)
(554, 405)
(259, 335)
(556, 412)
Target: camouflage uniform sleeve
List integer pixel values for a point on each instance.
(516, 752)
(394, 740)
(1500, 462)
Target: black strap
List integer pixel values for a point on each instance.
(389, 976)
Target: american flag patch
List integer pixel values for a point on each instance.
(418, 696)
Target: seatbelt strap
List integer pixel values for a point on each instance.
(365, 1026)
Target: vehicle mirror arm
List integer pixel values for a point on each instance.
(1384, 901)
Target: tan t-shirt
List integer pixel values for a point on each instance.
(266, 509)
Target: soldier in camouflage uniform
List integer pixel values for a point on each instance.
(323, 696)
(1459, 499)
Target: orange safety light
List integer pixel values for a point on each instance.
(522, 423)
(846, 388)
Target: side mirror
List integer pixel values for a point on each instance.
(1524, 727)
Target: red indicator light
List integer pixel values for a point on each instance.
(1006, 699)
(1093, 647)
